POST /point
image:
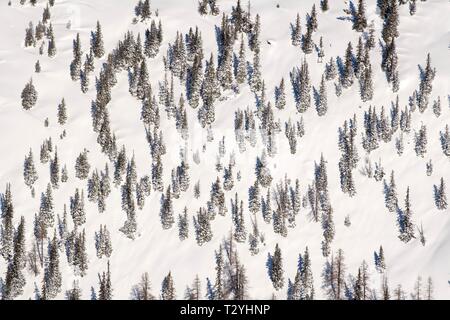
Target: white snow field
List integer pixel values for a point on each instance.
(158, 251)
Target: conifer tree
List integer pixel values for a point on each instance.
(391, 22)
(37, 67)
(105, 290)
(167, 288)
(202, 227)
(313, 19)
(142, 291)
(256, 81)
(183, 225)
(51, 50)
(307, 42)
(15, 280)
(241, 75)
(62, 112)
(77, 208)
(276, 268)
(82, 166)
(331, 70)
(166, 214)
(75, 293)
(305, 281)
(296, 32)
(440, 196)
(391, 194)
(405, 221)
(97, 42)
(29, 170)
(29, 95)
(360, 21)
(322, 101)
(280, 95)
(421, 141)
(348, 73)
(304, 88)
(54, 171)
(51, 284)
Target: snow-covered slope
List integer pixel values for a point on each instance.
(156, 250)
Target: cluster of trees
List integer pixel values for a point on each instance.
(205, 81)
(208, 6)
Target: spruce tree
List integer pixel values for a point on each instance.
(29, 170)
(51, 284)
(405, 221)
(167, 288)
(276, 269)
(280, 95)
(296, 33)
(29, 95)
(440, 196)
(324, 5)
(97, 42)
(348, 73)
(241, 75)
(360, 21)
(62, 112)
(77, 208)
(166, 213)
(322, 101)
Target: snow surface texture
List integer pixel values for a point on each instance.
(156, 250)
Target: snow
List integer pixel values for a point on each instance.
(156, 250)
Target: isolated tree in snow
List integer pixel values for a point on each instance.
(280, 95)
(202, 227)
(296, 33)
(445, 141)
(167, 218)
(420, 139)
(62, 112)
(440, 196)
(37, 67)
(29, 95)
(97, 42)
(276, 271)
(405, 223)
(82, 166)
(313, 19)
(51, 49)
(183, 225)
(391, 194)
(29, 170)
(322, 101)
